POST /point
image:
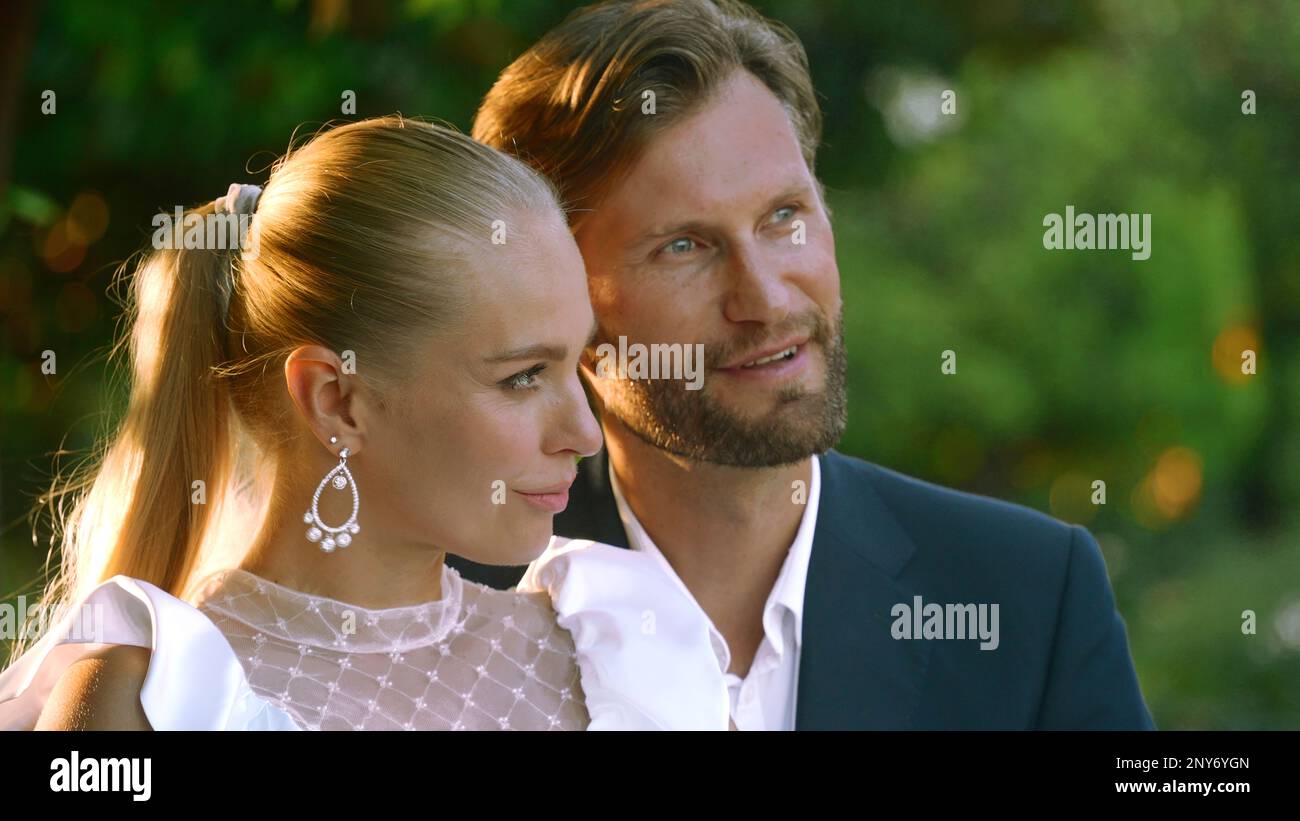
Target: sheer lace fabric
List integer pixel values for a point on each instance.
(478, 659)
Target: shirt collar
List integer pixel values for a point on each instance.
(791, 584)
(788, 592)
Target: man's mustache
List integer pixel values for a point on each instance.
(812, 323)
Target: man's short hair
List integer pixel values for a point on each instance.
(571, 106)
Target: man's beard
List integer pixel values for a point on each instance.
(695, 425)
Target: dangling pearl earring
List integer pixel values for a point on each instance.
(342, 535)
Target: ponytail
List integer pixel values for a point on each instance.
(143, 506)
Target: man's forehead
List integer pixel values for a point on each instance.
(738, 149)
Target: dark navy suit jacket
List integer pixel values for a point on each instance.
(883, 538)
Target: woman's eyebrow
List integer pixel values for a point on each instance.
(540, 351)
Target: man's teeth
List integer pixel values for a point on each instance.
(786, 354)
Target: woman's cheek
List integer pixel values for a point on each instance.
(489, 448)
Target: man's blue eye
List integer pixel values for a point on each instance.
(680, 245)
(788, 210)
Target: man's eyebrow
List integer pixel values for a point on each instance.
(671, 230)
(792, 191)
(541, 351)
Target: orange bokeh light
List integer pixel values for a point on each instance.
(1227, 353)
(87, 218)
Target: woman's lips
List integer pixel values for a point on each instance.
(553, 498)
(550, 502)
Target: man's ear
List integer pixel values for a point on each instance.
(325, 397)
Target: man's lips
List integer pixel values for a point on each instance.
(793, 345)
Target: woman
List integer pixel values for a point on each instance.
(387, 373)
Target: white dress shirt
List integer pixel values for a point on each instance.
(765, 698)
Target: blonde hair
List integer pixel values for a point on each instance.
(363, 235)
(571, 105)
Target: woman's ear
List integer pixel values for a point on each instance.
(325, 397)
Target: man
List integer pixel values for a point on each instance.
(842, 595)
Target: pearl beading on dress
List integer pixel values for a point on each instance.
(478, 658)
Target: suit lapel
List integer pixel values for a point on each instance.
(852, 673)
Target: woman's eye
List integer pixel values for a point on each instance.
(524, 380)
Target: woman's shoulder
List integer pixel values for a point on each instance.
(567, 563)
(130, 655)
(643, 646)
(523, 611)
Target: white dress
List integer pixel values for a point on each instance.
(594, 637)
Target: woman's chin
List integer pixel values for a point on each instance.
(516, 549)
(536, 542)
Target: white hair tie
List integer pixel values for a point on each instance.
(239, 199)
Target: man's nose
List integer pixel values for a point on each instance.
(757, 287)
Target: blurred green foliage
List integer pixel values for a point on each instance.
(1072, 366)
